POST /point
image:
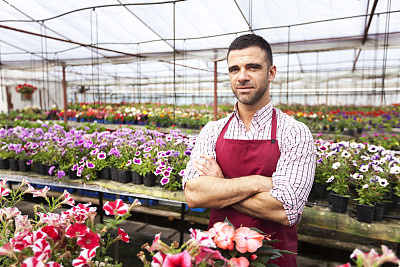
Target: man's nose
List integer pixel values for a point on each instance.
(243, 76)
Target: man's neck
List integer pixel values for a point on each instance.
(246, 112)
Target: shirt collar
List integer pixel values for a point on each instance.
(262, 115)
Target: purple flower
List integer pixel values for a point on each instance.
(90, 165)
(168, 153)
(29, 162)
(157, 171)
(164, 181)
(51, 170)
(137, 153)
(60, 174)
(129, 163)
(182, 172)
(94, 152)
(74, 168)
(147, 155)
(166, 173)
(148, 149)
(101, 155)
(137, 161)
(188, 152)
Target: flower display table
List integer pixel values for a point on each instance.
(314, 216)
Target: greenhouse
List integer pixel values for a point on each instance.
(112, 103)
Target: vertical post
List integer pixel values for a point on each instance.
(183, 206)
(64, 84)
(215, 91)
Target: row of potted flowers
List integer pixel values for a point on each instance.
(365, 173)
(124, 153)
(318, 118)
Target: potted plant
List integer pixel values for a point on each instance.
(26, 90)
(365, 203)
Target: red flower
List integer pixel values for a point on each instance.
(124, 236)
(50, 231)
(76, 230)
(84, 258)
(89, 241)
(116, 207)
(32, 262)
(42, 249)
(4, 192)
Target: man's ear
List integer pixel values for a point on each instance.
(271, 73)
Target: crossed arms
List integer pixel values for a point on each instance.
(248, 194)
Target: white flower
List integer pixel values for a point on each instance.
(364, 168)
(383, 182)
(372, 148)
(336, 165)
(357, 176)
(395, 169)
(330, 179)
(364, 157)
(365, 186)
(345, 154)
(353, 145)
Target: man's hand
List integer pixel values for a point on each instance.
(207, 166)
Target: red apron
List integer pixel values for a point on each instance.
(238, 158)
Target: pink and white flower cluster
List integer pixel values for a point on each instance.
(53, 239)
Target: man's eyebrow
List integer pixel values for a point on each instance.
(253, 65)
(232, 67)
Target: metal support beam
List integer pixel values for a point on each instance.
(366, 29)
(64, 85)
(215, 90)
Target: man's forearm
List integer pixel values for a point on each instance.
(263, 206)
(215, 193)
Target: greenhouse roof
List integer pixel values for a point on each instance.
(142, 38)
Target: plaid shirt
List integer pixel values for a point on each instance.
(294, 175)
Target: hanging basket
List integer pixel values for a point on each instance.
(26, 96)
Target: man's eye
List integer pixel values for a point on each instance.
(233, 70)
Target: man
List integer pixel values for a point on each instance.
(256, 166)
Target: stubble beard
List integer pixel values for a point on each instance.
(251, 99)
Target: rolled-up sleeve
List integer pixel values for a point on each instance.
(205, 144)
(294, 175)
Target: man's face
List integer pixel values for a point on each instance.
(250, 75)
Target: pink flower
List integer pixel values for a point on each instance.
(4, 192)
(124, 236)
(224, 238)
(216, 228)
(84, 258)
(31, 238)
(9, 212)
(21, 223)
(89, 241)
(158, 259)
(76, 230)
(41, 193)
(116, 207)
(207, 254)
(7, 250)
(33, 262)
(182, 259)
(68, 199)
(200, 238)
(239, 262)
(158, 244)
(3, 183)
(247, 240)
(30, 189)
(42, 249)
(345, 265)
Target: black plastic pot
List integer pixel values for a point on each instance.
(379, 211)
(137, 178)
(72, 174)
(114, 174)
(4, 164)
(124, 176)
(365, 213)
(23, 167)
(40, 169)
(318, 191)
(339, 203)
(149, 179)
(105, 173)
(14, 166)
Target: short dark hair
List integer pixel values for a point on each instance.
(248, 40)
